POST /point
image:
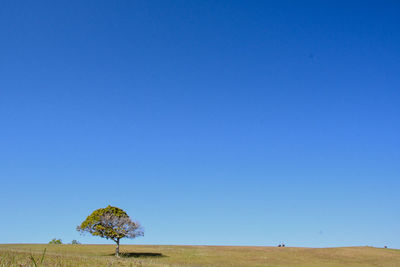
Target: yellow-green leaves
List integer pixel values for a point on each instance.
(111, 223)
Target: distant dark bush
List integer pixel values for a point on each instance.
(75, 242)
(55, 241)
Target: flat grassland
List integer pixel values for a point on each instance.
(154, 255)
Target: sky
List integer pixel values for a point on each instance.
(209, 122)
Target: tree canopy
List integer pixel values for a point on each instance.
(111, 223)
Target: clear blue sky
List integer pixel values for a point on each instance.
(210, 122)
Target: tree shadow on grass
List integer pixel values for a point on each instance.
(140, 255)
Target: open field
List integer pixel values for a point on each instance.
(138, 255)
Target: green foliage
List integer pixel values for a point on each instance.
(75, 242)
(92, 223)
(55, 241)
(110, 223)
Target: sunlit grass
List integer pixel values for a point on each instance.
(136, 255)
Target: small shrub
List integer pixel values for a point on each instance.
(75, 242)
(55, 241)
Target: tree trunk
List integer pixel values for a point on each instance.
(117, 248)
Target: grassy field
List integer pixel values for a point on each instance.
(137, 255)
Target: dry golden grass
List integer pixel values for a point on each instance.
(138, 255)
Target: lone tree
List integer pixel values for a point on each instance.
(111, 223)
